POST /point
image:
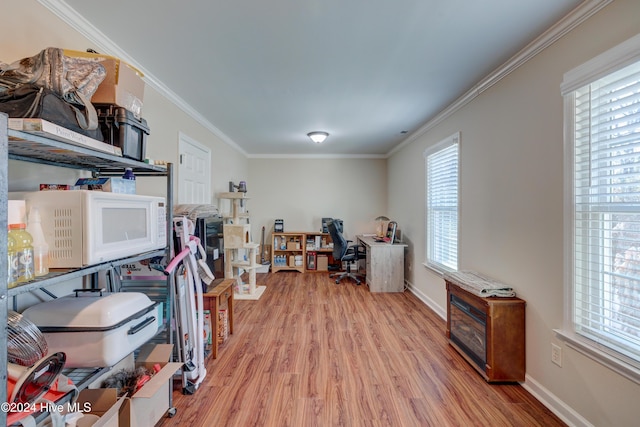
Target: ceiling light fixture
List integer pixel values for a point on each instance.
(318, 137)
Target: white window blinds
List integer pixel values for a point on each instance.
(604, 131)
(442, 171)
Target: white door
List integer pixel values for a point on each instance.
(194, 172)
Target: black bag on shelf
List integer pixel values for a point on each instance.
(31, 101)
(74, 80)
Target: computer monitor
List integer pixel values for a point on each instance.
(325, 228)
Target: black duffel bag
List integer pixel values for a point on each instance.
(31, 101)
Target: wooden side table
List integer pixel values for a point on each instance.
(218, 293)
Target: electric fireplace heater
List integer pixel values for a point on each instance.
(469, 330)
(489, 332)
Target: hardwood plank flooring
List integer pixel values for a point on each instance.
(313, 353)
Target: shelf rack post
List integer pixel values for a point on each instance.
(27, 147)
(4, 300)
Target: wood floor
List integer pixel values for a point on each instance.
(313, 353)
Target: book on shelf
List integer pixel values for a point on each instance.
(51, 130)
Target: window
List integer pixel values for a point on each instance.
(602, 121)
(442, 171)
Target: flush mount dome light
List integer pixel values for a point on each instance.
(318, 137)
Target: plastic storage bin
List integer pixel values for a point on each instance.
(122, 128)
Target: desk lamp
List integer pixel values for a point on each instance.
(380, 230)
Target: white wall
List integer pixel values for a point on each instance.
(511, 225)
(303, 191)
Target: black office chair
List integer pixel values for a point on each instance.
(343, 251)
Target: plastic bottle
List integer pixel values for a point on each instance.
(129, 181)
(40, 246)
(128, 174)
(24, 251)
(12, 262)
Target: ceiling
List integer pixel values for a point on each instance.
(262, 74)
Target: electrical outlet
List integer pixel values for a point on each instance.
(556, 354)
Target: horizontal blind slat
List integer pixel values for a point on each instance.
(442, 206)
(606, 217)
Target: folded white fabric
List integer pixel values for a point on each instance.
(195, 211)
(479, 285)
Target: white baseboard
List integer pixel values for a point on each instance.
(428, 301)
(555, 405)
(548, 399)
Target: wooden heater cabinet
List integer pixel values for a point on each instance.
(488, 332)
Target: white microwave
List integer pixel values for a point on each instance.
(84, 227)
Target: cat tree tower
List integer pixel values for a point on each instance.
(240, 253)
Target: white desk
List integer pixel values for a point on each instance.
(384, 265)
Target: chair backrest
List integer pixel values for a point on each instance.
(339, 242)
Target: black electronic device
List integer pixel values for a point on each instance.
(278, 227)
(325, 227)
(210, 232)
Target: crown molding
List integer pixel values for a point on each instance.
(104, 45)
(574, 18)
(317, 156)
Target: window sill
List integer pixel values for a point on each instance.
(625, 367)
(438, 270)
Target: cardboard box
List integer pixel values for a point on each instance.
(293, 246)
(223, 326)
(266, 254)
(149, 404)
(207, 327)
(101, 402)
(112, 185)
(122, 86)
(56, 187)
(141, 270)
(322, 263)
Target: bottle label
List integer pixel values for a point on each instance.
(12, 273)
(25, 271)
